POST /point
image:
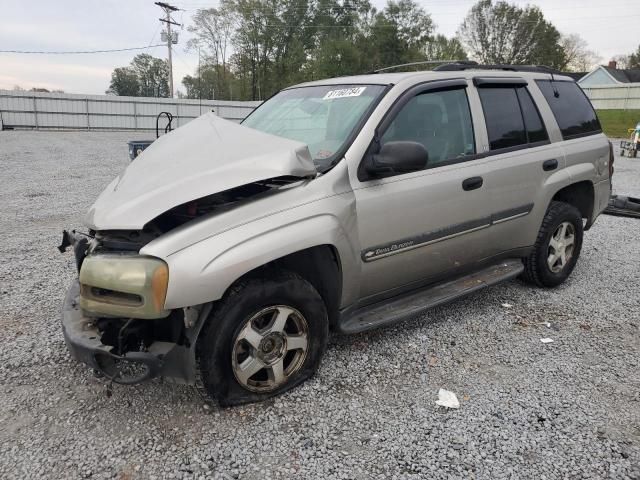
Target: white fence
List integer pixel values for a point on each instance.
(607, 97)
(21, 109)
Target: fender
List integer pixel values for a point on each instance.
(204, 271)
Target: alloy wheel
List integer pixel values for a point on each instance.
(561, 247)
(270, 347)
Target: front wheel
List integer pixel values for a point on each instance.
(266, 336)
(557, 247)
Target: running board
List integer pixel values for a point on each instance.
(405, 306)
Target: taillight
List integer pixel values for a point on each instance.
(611, 158)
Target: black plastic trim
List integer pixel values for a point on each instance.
(489, 82)
(525, 146)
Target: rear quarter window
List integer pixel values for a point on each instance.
(571, 108)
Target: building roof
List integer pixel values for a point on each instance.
(575, 75)
(630, 75)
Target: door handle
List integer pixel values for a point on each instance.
(550, 165)
(472, 183)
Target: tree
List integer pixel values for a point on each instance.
(577, 57)
(501, 33)
(146, 76)
(124, 81)
(622, 61)
(634, 59)
(213, 29)
(153, 75)
(400, 33)
(443, 48)
(278, 43)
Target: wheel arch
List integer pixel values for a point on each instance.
(581, 195)
(320, 266)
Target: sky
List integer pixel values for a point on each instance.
(610, 28)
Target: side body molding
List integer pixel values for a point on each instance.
(203, 271)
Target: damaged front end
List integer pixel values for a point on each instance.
(114, 318)
(113, 315)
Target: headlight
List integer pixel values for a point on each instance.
(124, 286)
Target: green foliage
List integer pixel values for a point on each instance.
(278, 43)
(505, 33)
(124, 81)
(250, 49)
(146, 76)
(443, 48)
(615, 123)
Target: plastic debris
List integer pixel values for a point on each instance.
(507, 305)
(546, 340)
(447, 399)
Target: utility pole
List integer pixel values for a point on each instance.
(167, 10)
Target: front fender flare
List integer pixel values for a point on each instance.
(203, 272)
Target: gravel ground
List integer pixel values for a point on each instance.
(568, 409)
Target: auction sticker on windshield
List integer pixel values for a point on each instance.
(344, 92)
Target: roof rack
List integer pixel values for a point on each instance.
(460, 66)
(425, 62)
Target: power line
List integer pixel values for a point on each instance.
(75, 52)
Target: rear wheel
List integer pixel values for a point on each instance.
(557, 247)
(266, 336)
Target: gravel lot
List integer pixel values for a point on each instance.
(568, 409)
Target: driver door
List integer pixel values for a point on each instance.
(417, 227)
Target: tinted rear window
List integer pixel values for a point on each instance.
(572, 109)
(504, 120)
(535, 128)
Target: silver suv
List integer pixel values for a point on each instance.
(225, 253)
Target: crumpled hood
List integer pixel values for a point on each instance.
(206, 156)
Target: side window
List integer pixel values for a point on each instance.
(505, 124)
(571, 107)
(441, 121)
(532, 120)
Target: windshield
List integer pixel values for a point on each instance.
(322, 117)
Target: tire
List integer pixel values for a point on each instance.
(243, 333)
(540, 268)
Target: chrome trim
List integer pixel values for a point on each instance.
(512, 217)
(371, 258)
(456, 230)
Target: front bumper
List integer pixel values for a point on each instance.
(160, 359)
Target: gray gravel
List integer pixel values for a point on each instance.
(568, 409)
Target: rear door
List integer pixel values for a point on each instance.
(521, 159)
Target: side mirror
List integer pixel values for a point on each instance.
(396, 158)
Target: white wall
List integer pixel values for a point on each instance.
(625, 96)
(19, 109)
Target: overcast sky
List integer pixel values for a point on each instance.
(610, 27)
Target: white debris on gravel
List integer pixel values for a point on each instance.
(447, 399)
(369, 413)
(546, 340)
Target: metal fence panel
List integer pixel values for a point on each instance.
(607, 97)
(21, 109)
